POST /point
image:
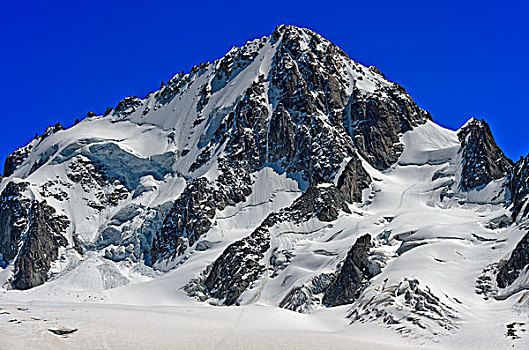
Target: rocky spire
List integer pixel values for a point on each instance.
(481, 158)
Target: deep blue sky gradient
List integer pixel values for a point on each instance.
(59, 60)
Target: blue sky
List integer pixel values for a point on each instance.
(60, 60)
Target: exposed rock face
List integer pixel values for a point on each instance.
(353, 180)
(519, 187)
(315, 80)
(40, 246)
(127, 106)
(510, 269)
(238, 266)
(352, 276)
(13, 218)
(482, 159)
(16, 158)
(323, 202)
(306, 142)
(30, 231)
(376, 123)
(282, 140)
(94, 178)
(190, 217)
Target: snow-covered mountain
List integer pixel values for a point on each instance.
(282, 175)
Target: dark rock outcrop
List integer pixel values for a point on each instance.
(313, 80)
(323, 202)
(190, 217)
(30, 234)
(14, 209)
(482, 159)
(338, 288)
(352, 275)
(353, 180)
(519, 187)
(509, 270)
(95, 178)
(127, 106)
(238, 266)
(15, 159)
(376, 123)
(40, 246)
(62, 331)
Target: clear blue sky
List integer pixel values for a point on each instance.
(457, 59)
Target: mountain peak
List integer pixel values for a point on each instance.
(283, 174)
(288, 29)
(472, 121)
(483, 160)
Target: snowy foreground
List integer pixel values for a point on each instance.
(176, 327)
(25, 325)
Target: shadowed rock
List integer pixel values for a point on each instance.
(40, 246)
(352, 275)
(482, 159)
(519, 188)
(353, 180)
(62, 330)
(510, 269)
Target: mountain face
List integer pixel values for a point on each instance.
(285, 174)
